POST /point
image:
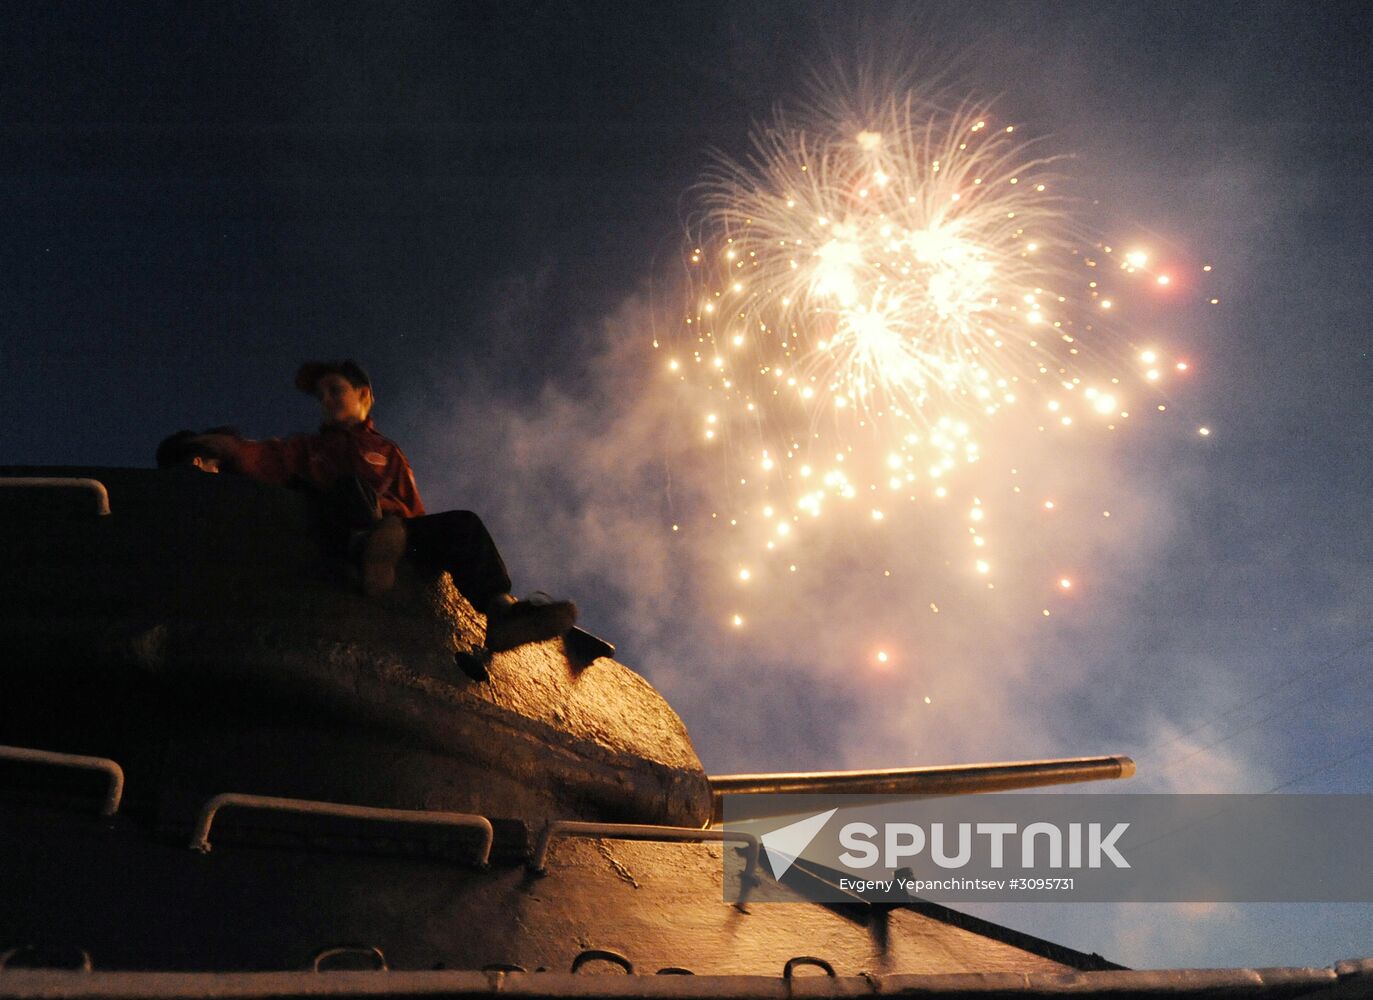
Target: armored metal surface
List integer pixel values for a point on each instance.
(203, 638)
(198, 635)
(277, 891)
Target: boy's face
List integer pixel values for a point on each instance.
(341, 401)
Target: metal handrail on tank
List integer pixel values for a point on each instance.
(375, 954)
(93, 486)
(48, 758)
(952, 779)
(200, 837)
(641, 831)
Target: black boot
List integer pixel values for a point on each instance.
(509, 625)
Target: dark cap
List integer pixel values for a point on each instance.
(309, 374)
(180, 448)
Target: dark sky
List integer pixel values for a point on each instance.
(198, 195)
(206, 194)
(485, 203)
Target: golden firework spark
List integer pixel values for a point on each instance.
(867, 300)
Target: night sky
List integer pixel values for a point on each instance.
(487, 206)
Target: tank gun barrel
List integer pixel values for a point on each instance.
(951, 779)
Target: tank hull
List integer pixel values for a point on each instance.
(272, 895)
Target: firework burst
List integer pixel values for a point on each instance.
(868, 300)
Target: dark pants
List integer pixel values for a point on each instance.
(455, 540)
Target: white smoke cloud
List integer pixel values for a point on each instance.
(583, 484)
(1169, 624)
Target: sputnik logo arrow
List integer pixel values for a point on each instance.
(787, 844)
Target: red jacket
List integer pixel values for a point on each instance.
(333, 452)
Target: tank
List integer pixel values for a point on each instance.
(220, 762)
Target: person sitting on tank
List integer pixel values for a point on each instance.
(184, 450)
(370, 498)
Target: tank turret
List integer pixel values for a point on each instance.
(201, 631)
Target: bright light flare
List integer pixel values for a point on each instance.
(886, 284)
(884, 268)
